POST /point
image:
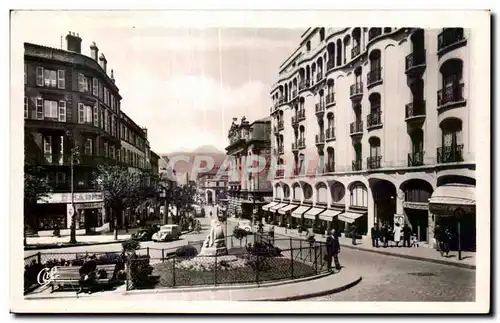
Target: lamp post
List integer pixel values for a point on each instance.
(72, 211)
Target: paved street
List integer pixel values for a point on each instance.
(387, 278)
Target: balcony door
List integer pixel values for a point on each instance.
(417, 141)
(358, 152)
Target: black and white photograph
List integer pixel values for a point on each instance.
(322, 165)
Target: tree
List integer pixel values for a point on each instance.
(36, 188)
(120, 188)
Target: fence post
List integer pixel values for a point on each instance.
(39, 257)
(291, 258)
(215, 271)
(148, 251)
(300, 241)
(321, 255)
(258, 269)
(127, 282)
(173, 271)
(316, 258)
(162, 254)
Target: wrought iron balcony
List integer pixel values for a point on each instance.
(320, 107)
(301, 143)
(294, 93)
(319, 77)
(330, 167)
(295, 146)
(330, 99)
(450, 154)
(374, 119)
(357, 165)
(355, 51)
(302, 114)
(356, 89)
(356, 127)
(415, 109)
(414, 60)
(330, 134)
(373, 162)
(295, 121)
(320, 139)
(330, 64)
(374, 76)
(449, 37)
(451, 94)
(416, 158)
(281, 125)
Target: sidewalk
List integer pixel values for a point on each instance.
(423, 252)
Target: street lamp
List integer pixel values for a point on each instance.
(72, 211)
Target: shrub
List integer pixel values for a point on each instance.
(239, 234)
(265, 249)
(140, 270)
(187, 251)
(130, 245)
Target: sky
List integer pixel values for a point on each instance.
(183, 84)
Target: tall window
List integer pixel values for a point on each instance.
(112, 152)
(25, 73)
(82, 83)
(359, 195)
(39, 109)
(96, 116)
(374, 147)
(84, 113)
(106, 127)
(106, 149)
(61, 79)
(26, 110)
(47, 148)
(101, 110)
(62, 111)
(50, 78)
(106, 96)
(95, 87)
(88, 146)
(39, 76)
(50, 109)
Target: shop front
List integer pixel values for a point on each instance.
(329, 219)
(269, 215)
(285, 213)
(274, 210)
(356, 218)
(310, 217)
(298, 217)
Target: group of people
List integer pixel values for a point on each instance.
(385, 233)
(443, 237)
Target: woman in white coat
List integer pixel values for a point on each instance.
(397, 234)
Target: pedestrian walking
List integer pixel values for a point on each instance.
(271, 232)
(397, 234)
(374, 233)
(353, 234)
(332, 250)
(406, 235)
(445, 241)
(437, 237)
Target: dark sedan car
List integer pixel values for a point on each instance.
(145, 234)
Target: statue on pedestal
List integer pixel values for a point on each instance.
(215, 243)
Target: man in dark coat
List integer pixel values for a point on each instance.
(374, 233)
(333, 250)
(87, 274)
(353, 234)
(406, 235)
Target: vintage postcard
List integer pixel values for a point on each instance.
(323, 162)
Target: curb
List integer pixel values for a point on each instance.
(54, 246)
(436, 261)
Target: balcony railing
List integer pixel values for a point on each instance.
(295, 120)
(330, 167)
(357, 165)
(373, 162)
(302, 114)
(320, 107)
(355, 51)
(330, 133)
(330, 98)
(450, 94)
(415, 109)
(356, 89)
(449, 37)
(281, 125)
(416, 158)
(319, 77)
(295, 146)
(301, 143)
(56, 159)
(330, 64)
(450, 154)
(374, 32)
(281, 150)
(281, 100)
(417, 58)
(374, 119)
(374, 76)
(356, 127)
(320, 139)
(294, 93)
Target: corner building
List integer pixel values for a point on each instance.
(383, 116)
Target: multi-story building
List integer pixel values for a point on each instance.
(71, 105)
(154, 161)
(247, 190)
(211, 188)
(383, 116)
(134, 144)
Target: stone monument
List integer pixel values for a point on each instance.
(215, 242)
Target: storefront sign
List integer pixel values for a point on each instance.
(416, 205)
(399, 218)
(77, 197)
(82, 206)
(451, 209)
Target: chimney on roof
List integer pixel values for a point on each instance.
(103, 62)
(112, 76)
(145, 130)
(94, 51)
(73, 43)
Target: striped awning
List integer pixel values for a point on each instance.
(448, 200)
(288, 208)
(350, 217)
(329, 214)
(267, 206)
(299, 211)
(312, 212)
(277, 207)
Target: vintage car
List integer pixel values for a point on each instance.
(245, 225)
(168, 232)
(145, 234)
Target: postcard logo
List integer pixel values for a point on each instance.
(47, 275)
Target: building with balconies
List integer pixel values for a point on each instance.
(380, 131)
(249, 190)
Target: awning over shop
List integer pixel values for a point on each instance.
(277, 207)
(350, 217)
(311, 213)
(267, 206)
(299, 211)
(288, 208)
(447, 199)
(329, 214)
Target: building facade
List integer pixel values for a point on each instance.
(373, 126)
(248, 191)
(211, 188)
(71, 113)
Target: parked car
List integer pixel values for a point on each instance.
(145, 234)
(168, 232)
(245, 225)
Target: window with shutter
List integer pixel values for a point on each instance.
(61, 79)
(39, 76)
(39, 109)
(62, 111)
(96, 116)
(95, 87)
(81, 82)
(88, 114)
(81, 113)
